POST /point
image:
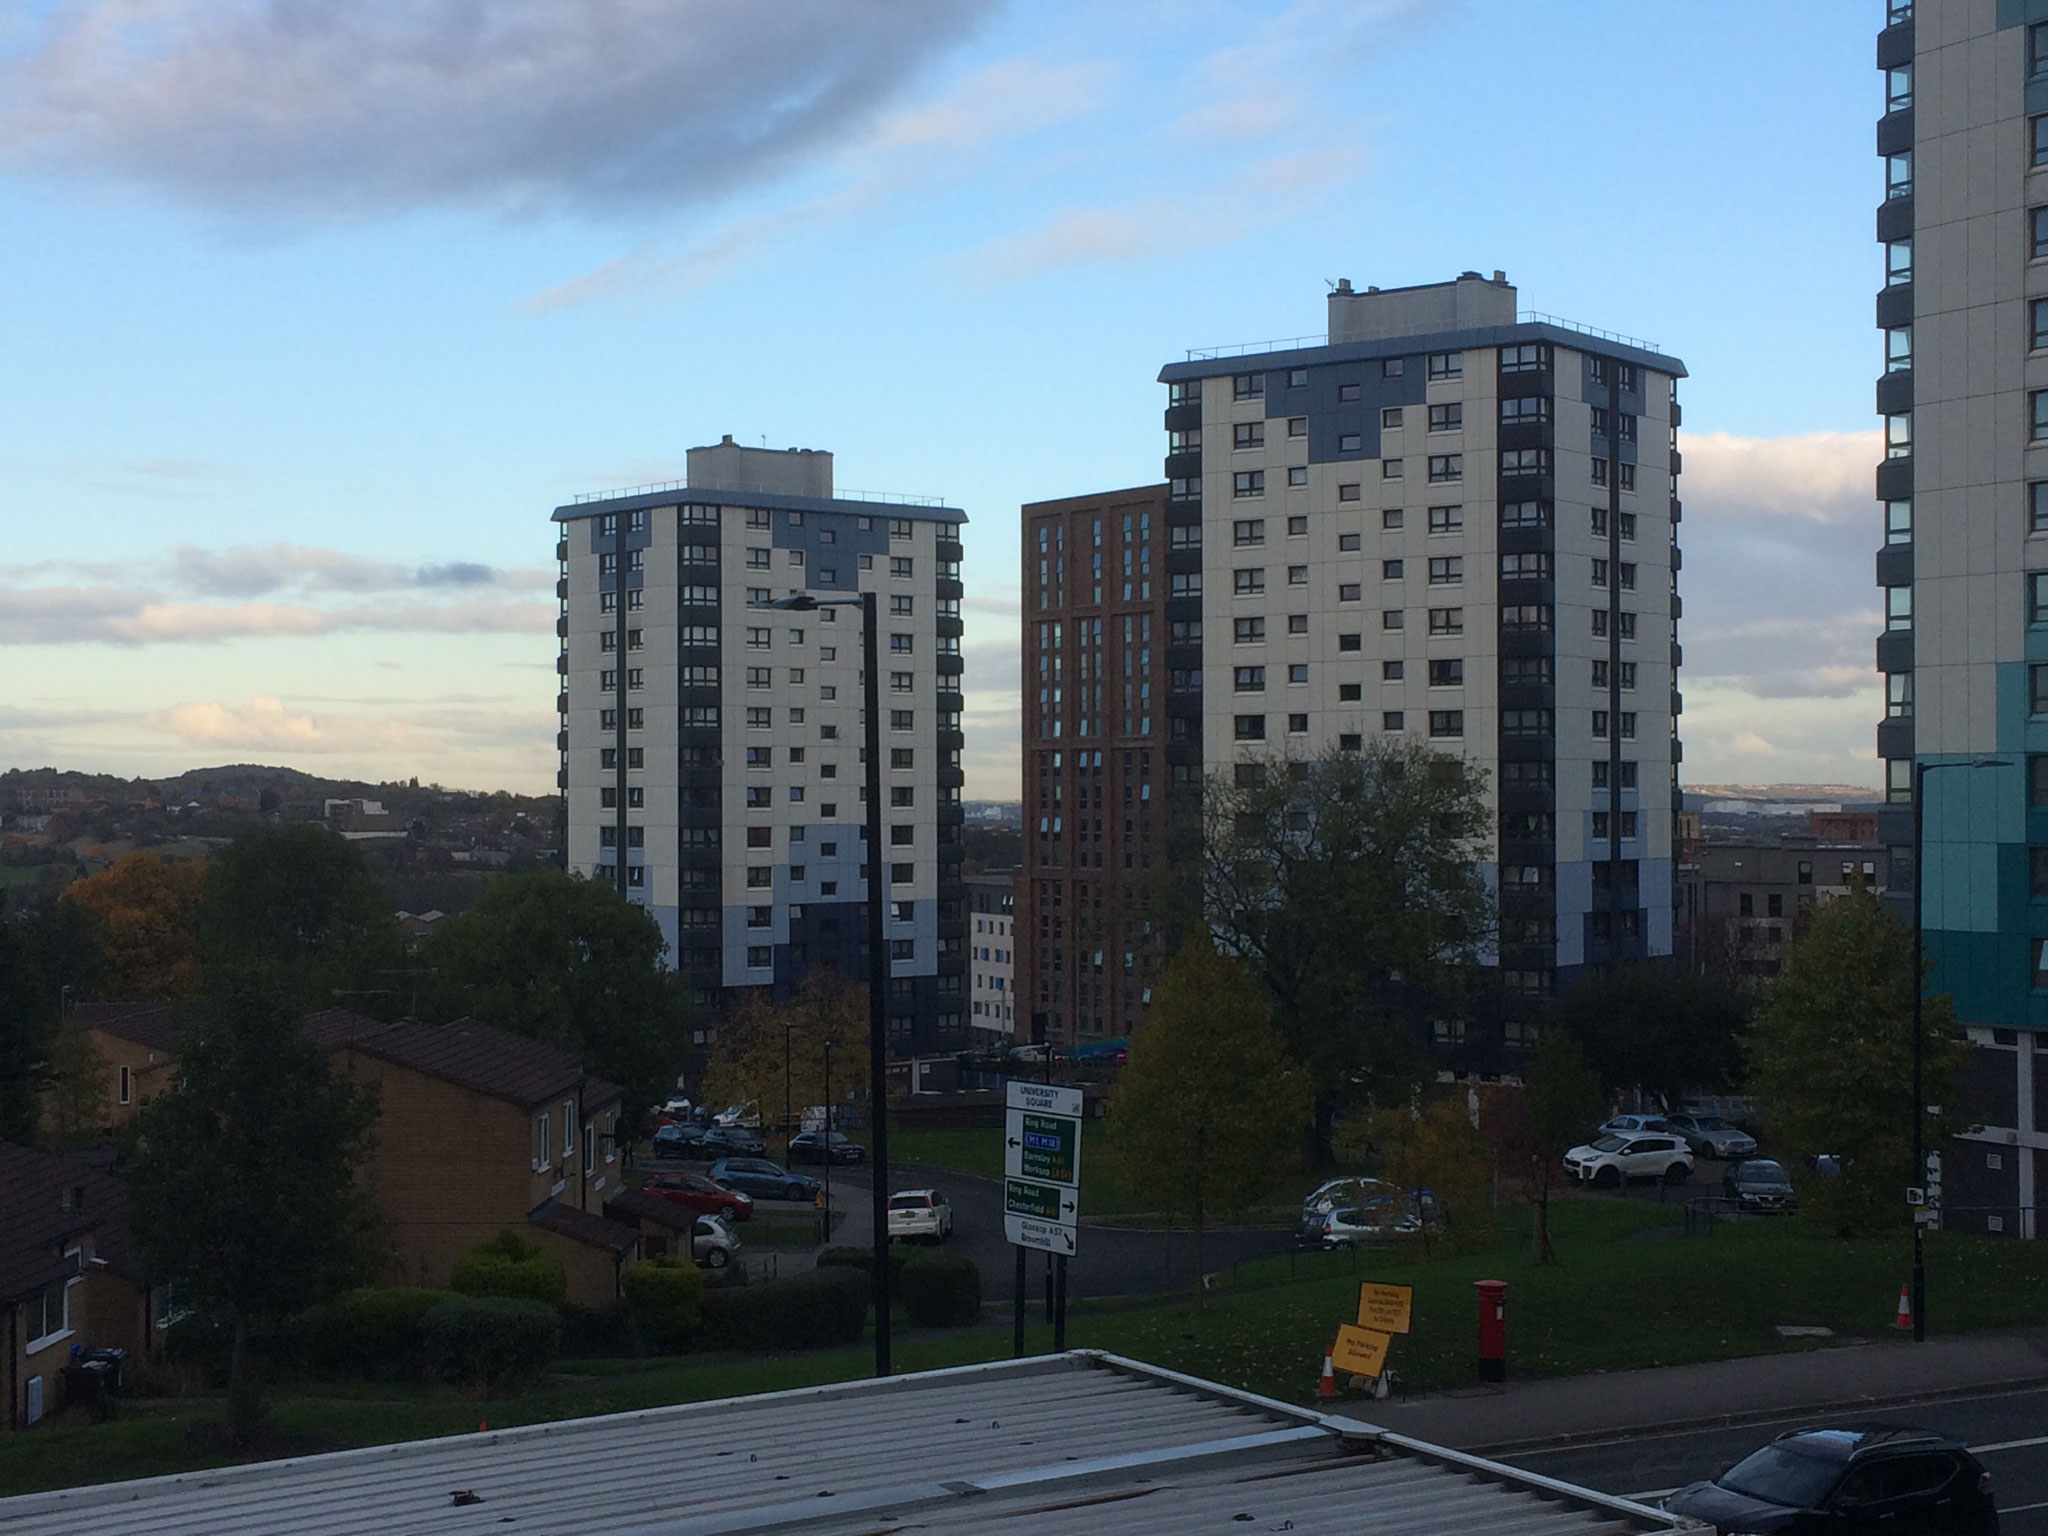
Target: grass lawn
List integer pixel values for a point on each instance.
(1625, 1293)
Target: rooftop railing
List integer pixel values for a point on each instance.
(887, 498)
(1298, 343)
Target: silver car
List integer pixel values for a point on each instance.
(1711, 1136)
(713, 1243)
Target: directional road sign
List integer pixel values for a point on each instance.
(1042, 1166)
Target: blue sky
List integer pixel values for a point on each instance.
(314, 313)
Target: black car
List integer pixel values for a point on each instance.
(1758, 1184)
(815, 1147)
(678, 1141)
(732, 1141)
(1848, 1479)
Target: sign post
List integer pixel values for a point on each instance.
(1042, 1167)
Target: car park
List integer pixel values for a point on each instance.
(1851, 1478)
(713, 1243)
(762, 1179)
(1638, 1125)
(675, 1140)
(1614, 1160)
(1758, 1184)
(825, 1146)
(695, 1192)
(1711, 1136)
(747, 1115)
(923, 1213)
(733, 1141)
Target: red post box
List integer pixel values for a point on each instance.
(1493, 1329)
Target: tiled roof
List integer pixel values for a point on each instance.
(41, 1212)
(157, 1026)
(597, 1093)
(490, 1061)
(638, 1205)
(582, 1227)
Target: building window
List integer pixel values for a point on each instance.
(1247, 581)
(2038, 221)
(1392, 671)
(2037, 779)
(1898, 429)
(1297, 725)
(1447, 621)
(1446, 722)
(1390, 570)
(1347, 542)
(1898, 260)
(1250, 727)
(1392, 720)
(1898, 518)
(1248, 482)
(1248, 631)
(1392, 618)
(1248, 386)
(1350, 642)
(1898, 168)
(1390, 520)
(2037, 597)
(1297, 672)
(1251, 679)
(2037, 689)
(1390, 416)
(1446, 570)
(1297, 426)
(1349, 491)
(1448, 418)
(1297, 575)
(1446, 519)
(1446, 365)
(1392, 469)
(1248, 434)
(1898, 344)
(1350, 442)
(1447, 674)
(1446, 467)
(2037, 128)
(1248, 531)
(1391, 367)
(1525, 514)
(1531, 566)
(1898, 607)
(1297, 624)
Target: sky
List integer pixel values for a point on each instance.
(312, 313)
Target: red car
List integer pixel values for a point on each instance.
(694, 1192)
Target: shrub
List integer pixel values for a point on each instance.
(826, 1306)
(511, 1265)
(863, 1259)
(941, 1290)
(374, 1331)
(490, 1342)
(590, 1333)
(666, 1296)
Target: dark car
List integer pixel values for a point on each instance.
(694, 1192)
(733, 1141)
(1854, 1478)
(1758, 1184)
(674, 1140)
(825, 1146)
(762, 1179)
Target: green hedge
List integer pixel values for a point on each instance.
(374, 1331)
(490, 1342)
(845, 1257)
(666, 1297)
(827, 1306)
(511, 1265)
(941, 1290)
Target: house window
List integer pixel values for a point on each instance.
(127, 1085)
(541, 1143)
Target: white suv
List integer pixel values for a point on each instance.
(920, 1213)
(1613, 1160)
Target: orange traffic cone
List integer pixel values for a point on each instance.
(1904, 1321)
(1327, 1387)
(483, 1426)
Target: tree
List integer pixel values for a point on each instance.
(1831, 1060)
(765, 1037)
(47, 956)
(73, 1106)
(1562, 1102)
(1435, 1146)
(146, 910)
(555, 957)
(293, 911)
(1656, 1028)
(242, 1193)
(1350, 885)
(1210, 1102)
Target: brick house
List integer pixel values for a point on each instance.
(481, 1130)
(139, 1043)
(67, 1279)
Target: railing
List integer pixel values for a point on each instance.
(889, 498)
(1296, 343)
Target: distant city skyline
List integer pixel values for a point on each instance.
(303, 352)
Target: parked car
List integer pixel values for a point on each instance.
(1848, 1478)
(1758, 1184)
(733, 1141)
(762, 1179)
(694, 1192)
(1347, 1192)
(1613, 1160)
(1638, 1125)
(825, 1146)
(713, 1243)
(920, 1213)
(673, 1140)
(1711, 1136)
(747, 1114)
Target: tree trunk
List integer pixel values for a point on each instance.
(1195, 1303)
(243, 1406)
(1545, 1254)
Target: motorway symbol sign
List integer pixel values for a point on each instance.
(1042, 1166)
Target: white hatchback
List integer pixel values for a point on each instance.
(920, 1213)
(1613, 1160)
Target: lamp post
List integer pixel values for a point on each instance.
(1919, 1176)
(878, 1041)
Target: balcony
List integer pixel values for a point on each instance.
(1895, 651)
(1895, 392)
(1895, 737)
(1895, 305)
(1895, 565)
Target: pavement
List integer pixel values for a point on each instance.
(1851, 1377)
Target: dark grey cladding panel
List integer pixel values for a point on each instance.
(1594, 392)
(1895, 565)
(1415, 348)
(833, 567)
(1895, 392)
(1895, 218)
(1895, 305)
(1895, 132)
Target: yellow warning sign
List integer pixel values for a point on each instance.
(1384, 1308)
(1360, 1350)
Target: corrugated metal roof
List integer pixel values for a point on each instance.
(1078, 1442)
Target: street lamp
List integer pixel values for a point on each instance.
(1919, 1178)
(878, 1042)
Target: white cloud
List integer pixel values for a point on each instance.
(382, 106)
(263, 723)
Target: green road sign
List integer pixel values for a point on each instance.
(1021, 1197)
(1048, 1150)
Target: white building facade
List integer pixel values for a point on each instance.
(711, 747)
(991, 955)
(1452, 524)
